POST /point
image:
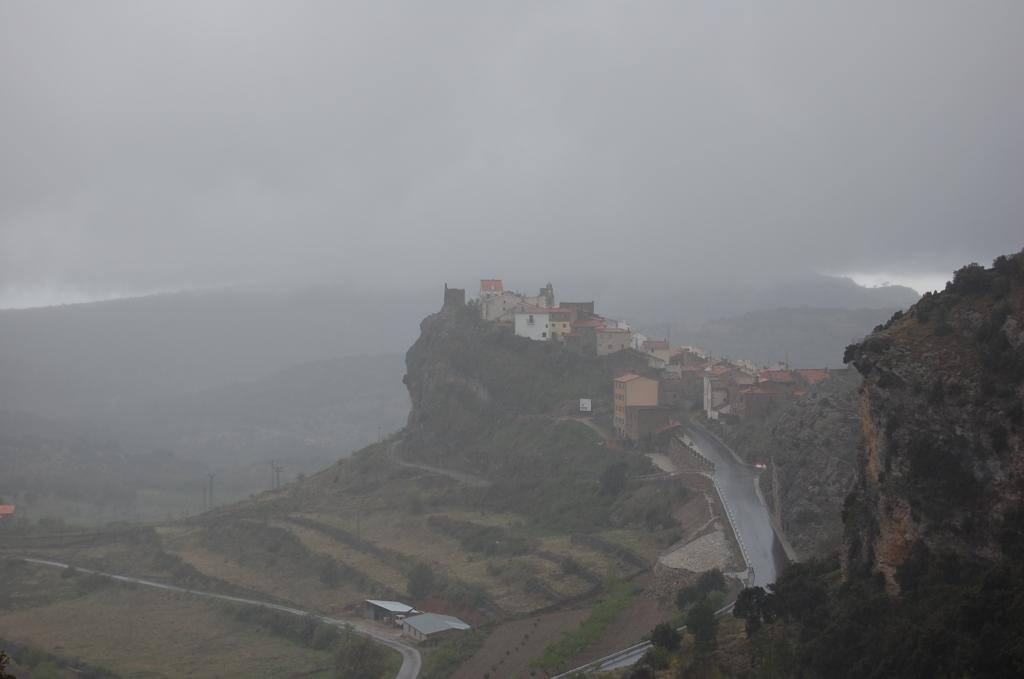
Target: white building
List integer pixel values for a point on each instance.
(533, 323)
(432, 625)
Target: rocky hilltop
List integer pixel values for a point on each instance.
(468, 379)
(942, 468)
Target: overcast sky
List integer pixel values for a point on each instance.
(154, 146)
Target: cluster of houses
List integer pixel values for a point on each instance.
(676, 378)
(416, 625)
(538, 317)
(645, 405)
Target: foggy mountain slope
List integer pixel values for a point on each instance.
(535, 490)
(59, 469)
(153, 458)
(98, 359)
(688, 304)
(320, 410)
(808, 336)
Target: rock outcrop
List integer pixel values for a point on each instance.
(942, 468)
(467, 377)
(811, 450)
(811, 447)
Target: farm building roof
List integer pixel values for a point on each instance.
(432, 623)
(391, 606)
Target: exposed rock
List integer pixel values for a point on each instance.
(811, 447)
(943, 458)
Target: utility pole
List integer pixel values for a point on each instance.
(277, 476)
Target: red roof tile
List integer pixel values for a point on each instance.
(760, 391)
(655, 344)
(779, 376)
(491, 285)
(6, 510)
(813, 375)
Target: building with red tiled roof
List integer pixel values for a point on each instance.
(812, 376)
(6, 510)
(777, 376)
(491, 286)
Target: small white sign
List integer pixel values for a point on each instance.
(585, 406)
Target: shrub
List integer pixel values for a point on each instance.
(970, 280)
(422, 581)
(665, 636)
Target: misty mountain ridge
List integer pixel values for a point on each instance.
(96, 359)
(806, 336)
(320, 410)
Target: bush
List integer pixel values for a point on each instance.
(970, 280)
(665, 636)
(422, 581)
(703, 625)
(358, 656)
(708, 582)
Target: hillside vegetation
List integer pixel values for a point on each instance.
(932, 575)
(493, 503)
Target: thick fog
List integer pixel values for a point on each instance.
(156, 146)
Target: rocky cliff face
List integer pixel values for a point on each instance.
(812, 447)
(499, 407)
(467, 377)
(942, 468)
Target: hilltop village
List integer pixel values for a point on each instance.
(676, 379)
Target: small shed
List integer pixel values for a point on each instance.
(388, 611)
(428, 626)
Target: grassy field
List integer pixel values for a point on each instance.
(356, 531)
(140, 632)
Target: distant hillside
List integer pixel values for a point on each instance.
(52, 468)
(809, 336)
(100, 359)
(317, 412)
(733, 293)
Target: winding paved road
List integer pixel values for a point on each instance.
(735, 480)
(411, 660)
